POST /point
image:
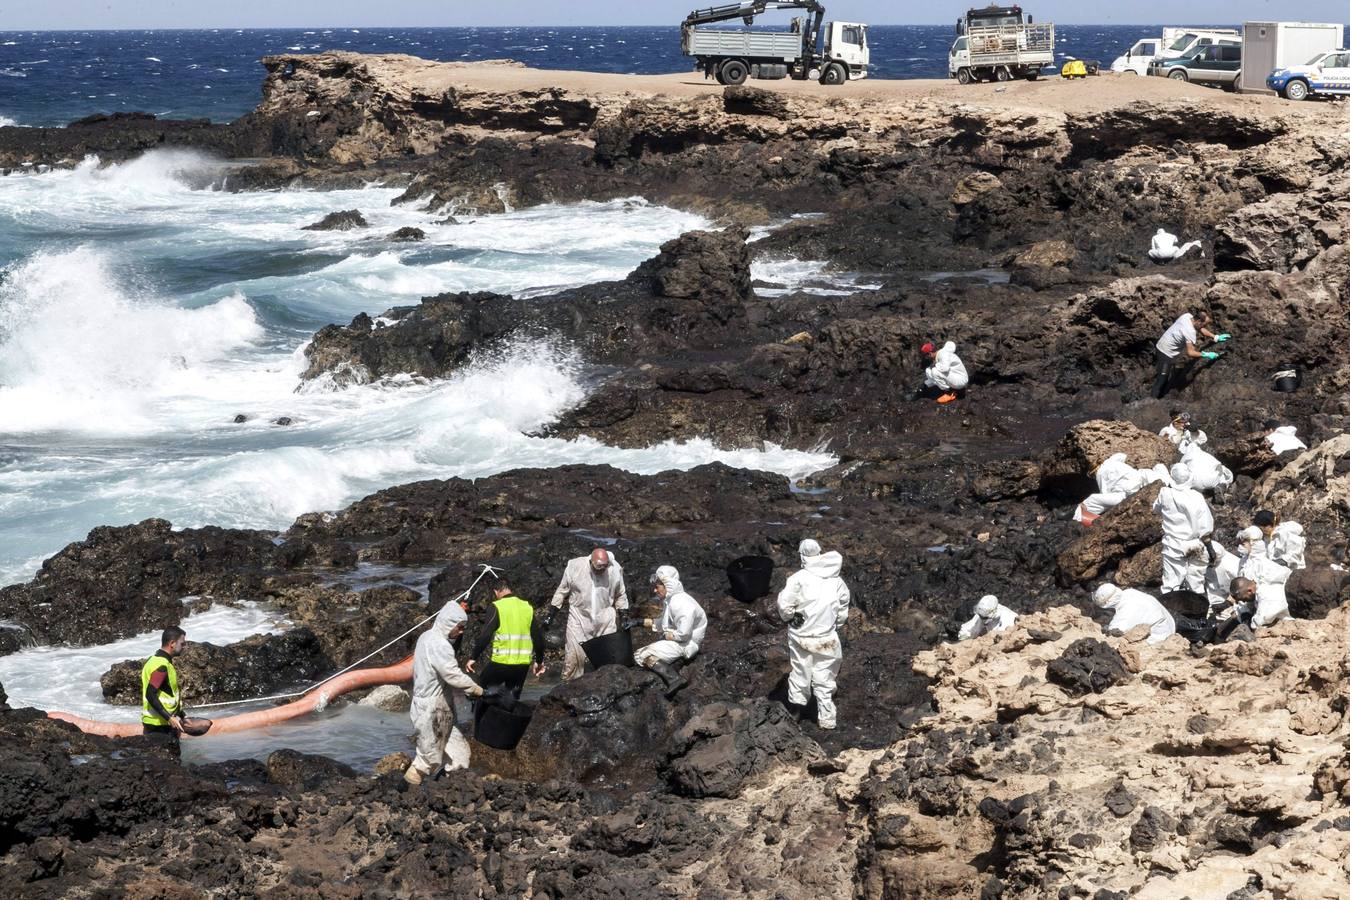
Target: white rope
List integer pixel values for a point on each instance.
(318, 684)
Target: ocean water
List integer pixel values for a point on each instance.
(139, 316)
(50, 78)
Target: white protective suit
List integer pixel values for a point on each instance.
(1287, 545)
(822, 598)
(990, 617)
(1186, 519)
(1207, 473)
(1164, 247)
(1271, 603)
(947, 371)
(436, 675)
(1284, 439)
(1116, 481)
(593, 600)
(1183, 439)
(683, 624)
(1226, 567)
(1134, 608)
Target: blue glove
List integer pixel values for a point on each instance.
(1210, 355)
(1222, 338)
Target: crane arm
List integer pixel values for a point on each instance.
(747, 11)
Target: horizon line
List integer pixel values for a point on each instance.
(359, 28)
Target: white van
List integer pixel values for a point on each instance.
(1175, 43)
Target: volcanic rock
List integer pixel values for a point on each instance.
(723, 744)
(345, 220)
(407, 234)
(300, 770)
(126, 580)
(253, 667)
(1120, 532)
(1068, 469)
(388, 697)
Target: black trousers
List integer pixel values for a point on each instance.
(163, 734)
(1164, 368)
(512, 676)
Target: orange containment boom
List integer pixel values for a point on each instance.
(399, 673)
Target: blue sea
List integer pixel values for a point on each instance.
(50, 78)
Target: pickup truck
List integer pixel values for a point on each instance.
(1326, 74)
(1217, 64)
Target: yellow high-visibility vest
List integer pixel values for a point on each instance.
(167, 699)
(512, 645)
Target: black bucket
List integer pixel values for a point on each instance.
(610, 649)
(750, 577)
(501, 726)
(1287, 380)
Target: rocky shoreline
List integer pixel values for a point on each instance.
(989, 769)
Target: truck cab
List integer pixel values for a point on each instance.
(990, 16)
(1136, 59)
(846, 43)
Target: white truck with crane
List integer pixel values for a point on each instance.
(998, 43)
(733, 56)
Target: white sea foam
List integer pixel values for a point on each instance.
(7, 122)
(127, 350)
(787, 276)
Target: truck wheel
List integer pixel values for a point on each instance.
(833, 74)
(963, 76)
(1002, 74)
(1296, 90)
(734, 72)
(1179, 75)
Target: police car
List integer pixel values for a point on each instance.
(1326, 74)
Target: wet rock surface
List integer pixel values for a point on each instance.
(253, 667)
(343, 220)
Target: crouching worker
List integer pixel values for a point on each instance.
(946, 378)
(517, 639)
(1133, 608)
(990, 617)
(1164, 248)
(436, 676)
(814, 603)
(682, 627)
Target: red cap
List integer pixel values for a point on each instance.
(928, 348)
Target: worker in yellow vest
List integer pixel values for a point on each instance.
(161, 707)
(517, 640)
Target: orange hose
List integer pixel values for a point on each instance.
(398, 673)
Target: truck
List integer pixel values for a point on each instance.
(998, 43)
(1271, 46)
(1176, 43)
(732, 56)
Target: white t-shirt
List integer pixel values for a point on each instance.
(1175, 338)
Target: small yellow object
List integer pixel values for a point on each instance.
(1074, 68)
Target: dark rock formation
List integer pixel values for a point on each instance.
(293, 769)
(1119, 533)
(1087, 667)
(253, 667)
(723, 744)
(343, 220)
(121, 581)
(407, 234)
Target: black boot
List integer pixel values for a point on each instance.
(667, 673)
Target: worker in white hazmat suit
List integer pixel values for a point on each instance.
(1164, 247)
(990, 617)
(947, 374)
(814, 603)
(682, 626)
(1116, 481)
(436, 676)
(1272, 605)
(1207, 473)
(1283, 439)
(1133, 608)
(1187, 524)
(1181, 431)
(1284, 541)
(593, 589)
(1219, 575)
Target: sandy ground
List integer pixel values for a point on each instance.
(1096, 94)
